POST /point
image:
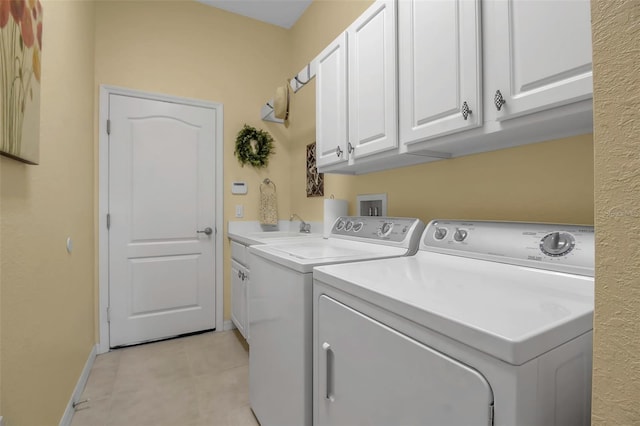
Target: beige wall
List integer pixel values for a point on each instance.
(47, 306)
(187, 49)
(321, 23)
(511, 184)
(46, 295)
(616, 375)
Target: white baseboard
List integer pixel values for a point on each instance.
(228, 325)
(77, 392)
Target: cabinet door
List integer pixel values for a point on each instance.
(331, 103)
(372, 86)
(238, 297)
(245, 301)
(369, 374)
(439, 67)
(540, 54)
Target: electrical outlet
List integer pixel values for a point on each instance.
(239, 210)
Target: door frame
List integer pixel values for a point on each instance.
(103, 201)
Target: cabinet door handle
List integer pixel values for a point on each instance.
(338, 151)
(466, 112)
(350, 148)
(328, 356)
(498, 100)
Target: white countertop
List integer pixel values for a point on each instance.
(251, 232)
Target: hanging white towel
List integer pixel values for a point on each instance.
(268, 214)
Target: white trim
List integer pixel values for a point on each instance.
(77, 392)
(103, 208)
(228, 325)
(103, 200)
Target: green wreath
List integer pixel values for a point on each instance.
(257, 155)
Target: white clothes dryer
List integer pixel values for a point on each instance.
(489, 323)
(280, 307)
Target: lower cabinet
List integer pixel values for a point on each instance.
(239, 306)
(368, 373)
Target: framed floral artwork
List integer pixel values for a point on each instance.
(20, 67)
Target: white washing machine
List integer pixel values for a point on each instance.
(488, 324)
(280, 306)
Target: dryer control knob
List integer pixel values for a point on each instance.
(385, 229)
(557, 244)
(440, 233)
(460, 235)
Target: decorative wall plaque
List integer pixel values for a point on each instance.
(315, 180)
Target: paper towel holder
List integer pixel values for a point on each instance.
(371, 205)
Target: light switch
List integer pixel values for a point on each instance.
(239, 210)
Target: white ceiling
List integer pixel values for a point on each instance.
(283, 13)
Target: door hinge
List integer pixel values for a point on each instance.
(108, 126)
(491, 414)
(108, 314)
(108, 220)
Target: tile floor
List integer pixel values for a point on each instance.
(191, 381)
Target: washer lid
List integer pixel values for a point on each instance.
(513, 313)
(302, 256)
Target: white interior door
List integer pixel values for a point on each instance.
(161, 196)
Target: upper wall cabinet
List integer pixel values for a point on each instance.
(467, 76)
(331, 104)
(536, 74)
(373, 116)
(357, 96)
(538, 54)
(439, 60)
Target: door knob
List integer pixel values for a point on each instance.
(207, 231)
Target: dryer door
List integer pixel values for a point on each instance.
(368, 373)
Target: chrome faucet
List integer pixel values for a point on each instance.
(304, 226)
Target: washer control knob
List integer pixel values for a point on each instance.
(460, 235)
(440, 233)
(357, 226)
(340, 224)
(557, 244)
(348, 226)
(385, 229)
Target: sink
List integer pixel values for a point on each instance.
(279, 234)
